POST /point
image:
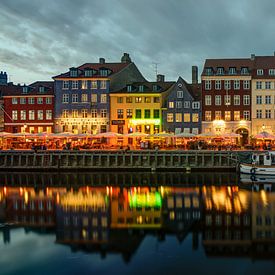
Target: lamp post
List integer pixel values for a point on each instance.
(24, 129)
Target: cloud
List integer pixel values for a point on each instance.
(45, 38)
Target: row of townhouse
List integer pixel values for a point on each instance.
(101, 97)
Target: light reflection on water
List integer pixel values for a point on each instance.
(66, 226)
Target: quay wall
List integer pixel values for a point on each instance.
(120, 160)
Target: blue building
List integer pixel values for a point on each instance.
(182, 107)
(82, 103)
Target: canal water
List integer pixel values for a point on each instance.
(136, 223)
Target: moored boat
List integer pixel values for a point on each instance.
(262, 164)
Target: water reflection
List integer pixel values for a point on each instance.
(232, 220)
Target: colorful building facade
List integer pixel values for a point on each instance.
(82, 94)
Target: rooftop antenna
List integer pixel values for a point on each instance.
(156, 68)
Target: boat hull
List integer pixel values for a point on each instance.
(257, 170)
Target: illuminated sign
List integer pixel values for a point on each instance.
(118, 122)
(145, 121)
(145, 199)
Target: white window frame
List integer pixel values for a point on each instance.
(74, 84)
(208, 100)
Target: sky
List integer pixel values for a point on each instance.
(43, 38)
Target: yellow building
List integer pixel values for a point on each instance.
(137, 107)
(263, 95)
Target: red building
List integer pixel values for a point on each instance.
(29, 108)
(226, 97)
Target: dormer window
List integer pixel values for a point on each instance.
(25, 89)
(220, 71)
(140, 88)
(155, 88)
(88, 72)
(129, 88)
(209, 71)
(73, 72)
(244, 70)
(260, 72)
(103, 72)
(232, 70)
(41, 89)
(271, 72)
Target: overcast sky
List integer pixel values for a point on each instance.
(42, 38)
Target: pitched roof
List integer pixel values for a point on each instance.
(264, 62)
(195, 91)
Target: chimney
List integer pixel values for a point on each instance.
(126, 58)
(160, 78)
(252, 57)
(194, 74)
(101, 60)
(3, 78)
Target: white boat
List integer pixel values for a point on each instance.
(262, 164)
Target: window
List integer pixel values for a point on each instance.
(84, 113)
(218, 84)
(14, 115)
(84, 84)
(218, 115)
(220, 71)
(258, 113)
(267, 99)
(267, 113)
(65, 113)
(129, 99)
(94, 98)
(40, 100)
(227, 100)
(94, 113)
(258, 85)
(74, 98)
(227, 84)
(237, 115)
(178, 104)
(237, 100)
(31, 100)
(178, 117)
(25, 90)
(258, 99)
(129, 113)
(103, 72)
(246, 84)
(195, 117)
(179, 94)
(94, 84)
(48, 100)
(75, 113)
(129, 88)
(227, 115)
(138, 99)
(147, 99)
(196, 105)
(207, 84)
(147, 113)
(208, 71)
(41, 89)
(22, 100)
(119, 113)
(84, 97)
(141, 88)
(40, 114)
(103, 84)
(88, 72)
(156, 99)
(65, 98)
(49, 114)
(208, 100)
(271, 71)
(103, 113)
(171, 104)
(73, 72)
(246, 115)
(138, 113)
(268, 85)
(218, 100)
(232, 70)
(208, 116)
(170, 117)
(65, 84)
(236, 84)
(186, 117)
(31, 114)
(103, 98)
(74, 84)
(246, 100)
(244, 70)
(186, 104)
(120, 99)
(23, 114)
(260, 72)
(14, 100)
(155, 88)
(156, 113)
